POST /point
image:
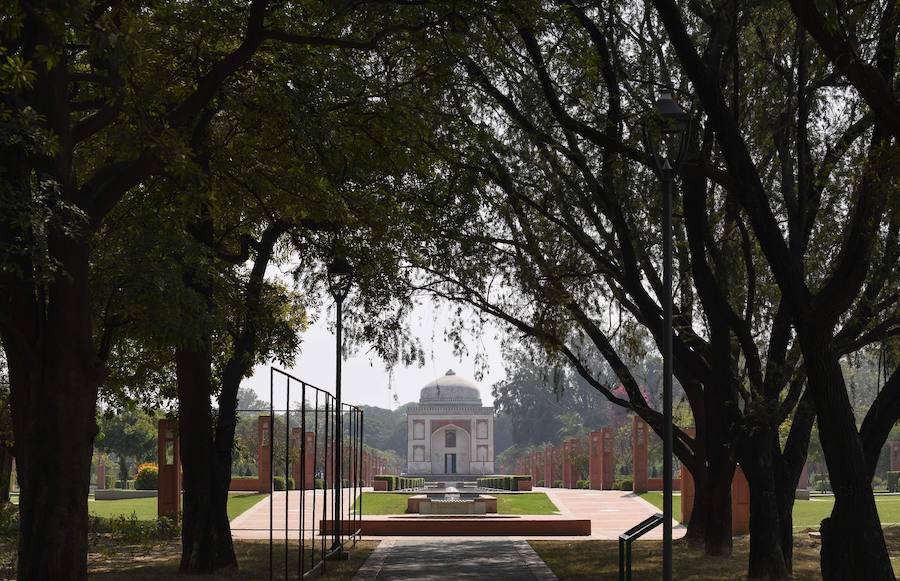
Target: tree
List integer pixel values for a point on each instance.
(565, 224)
(845, 298)
(80, 139)
(130, 435)
(567, 236)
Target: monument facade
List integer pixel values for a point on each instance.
(450, 431)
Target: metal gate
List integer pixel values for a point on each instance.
(317, 453)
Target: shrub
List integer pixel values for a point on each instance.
(616, 485)
(583, 484)
(110, 481)
(9, 518)
(893, 481)
(320, 483)
(626, 484)
(540, 483)
(132, 530)
(147, 477)
(393, 482)
(279, 483)
(557, 484)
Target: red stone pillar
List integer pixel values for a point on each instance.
(264, 460)
(571, 448)
(639, 441)
(168, 499)
(687, 495)
(329, 463)
(803, 482)
(548, 466)
(595, 460)
(740, 503)
(609, 458)
(309, 462)
(101, 472)
(297, 465)
(687, 486)
(895, 456)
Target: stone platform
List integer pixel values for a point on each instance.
(448, 525)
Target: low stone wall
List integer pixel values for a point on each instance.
(657, 484)
(244, 485)
(468, 526)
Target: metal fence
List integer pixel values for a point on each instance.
(330, 444)
(301, 441)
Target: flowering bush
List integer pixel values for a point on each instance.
(147, 477)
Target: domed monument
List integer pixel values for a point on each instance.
(450, 432)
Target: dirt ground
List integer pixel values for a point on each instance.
(599, 560)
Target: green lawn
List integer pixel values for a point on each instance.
(655, 498)
(807, 513)
(395, 503)
(145, 508)
(533, 503)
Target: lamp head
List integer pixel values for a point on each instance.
(675, 117)
(340, 275)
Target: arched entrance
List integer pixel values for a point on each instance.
(451, 450)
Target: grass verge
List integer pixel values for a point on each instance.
(807, 513)
(599, 560)
(145, 508)
(382, 503)
(160, 562)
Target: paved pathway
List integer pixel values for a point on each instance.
(612, 512)
(485, 559)
(254, 522)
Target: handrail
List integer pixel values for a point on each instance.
(628, 537)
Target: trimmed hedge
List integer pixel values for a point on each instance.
(503, 482)
(893, 481)
(400, 482)
(279, 483)
(583, 484)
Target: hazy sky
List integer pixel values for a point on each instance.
(365, 380)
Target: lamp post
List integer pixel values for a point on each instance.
(339, 281)
(676, 129)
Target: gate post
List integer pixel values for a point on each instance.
(168, 500)
(101, 472)
(264, 462)
(548, 466)
(639, 438)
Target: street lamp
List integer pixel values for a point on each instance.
(676, 131)
(340, 279)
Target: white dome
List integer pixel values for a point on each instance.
(450, 389)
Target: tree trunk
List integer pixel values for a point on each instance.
(768, 557)
(6, 461)
(853, 545)
(206, 535)
(54, 376)
(717, 540)
(710, 524)
(123, 470)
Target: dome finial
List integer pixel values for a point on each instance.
(450, 372)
